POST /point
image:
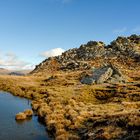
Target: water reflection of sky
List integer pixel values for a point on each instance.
(29, 129)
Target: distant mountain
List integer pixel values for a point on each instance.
(4, 71)
(11, 72)
(20, 73)
(124, 52)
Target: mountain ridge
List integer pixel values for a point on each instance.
(123, 51)
(4, 71)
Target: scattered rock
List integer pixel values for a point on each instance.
(122, 48)
(102, 74)
(74, 65)
(126, 46)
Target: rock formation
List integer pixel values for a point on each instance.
(121, 50)
(107, 73)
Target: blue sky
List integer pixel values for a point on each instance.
(30, 29)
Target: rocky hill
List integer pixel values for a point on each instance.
(124, 51)
(108, 108)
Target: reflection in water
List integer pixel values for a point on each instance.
(23, 121)
(10, 129)
(28, 101)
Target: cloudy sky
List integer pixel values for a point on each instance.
(32, 30)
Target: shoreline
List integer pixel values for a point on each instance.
(30, 129)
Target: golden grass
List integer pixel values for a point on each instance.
(65, 105)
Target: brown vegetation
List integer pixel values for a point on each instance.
(24, 115)
(20, 116)
(72, 110)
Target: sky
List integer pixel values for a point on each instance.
(32, 30)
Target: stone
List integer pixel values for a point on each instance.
(87, 80)
(116, 79)
(20, 116)
(74, 65)
(126, 45)
(123, 48)
(104, 74)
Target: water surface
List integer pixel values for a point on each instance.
(12, 130)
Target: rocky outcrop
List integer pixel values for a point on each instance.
(105, 74)
(122, 48)
(74, 65)
(126, 46)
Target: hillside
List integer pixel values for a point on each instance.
(104, 110)
(123, 52)
(88, 93)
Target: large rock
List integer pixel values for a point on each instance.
(101, 75)
(105, 74)
(87, 80)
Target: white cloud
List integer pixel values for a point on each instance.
(11, 61)
(53, 52)
(29, 67)
(120, 31)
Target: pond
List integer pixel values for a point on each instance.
(12, 130)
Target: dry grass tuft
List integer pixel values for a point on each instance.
(67, 107)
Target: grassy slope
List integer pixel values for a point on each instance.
(72, 110)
